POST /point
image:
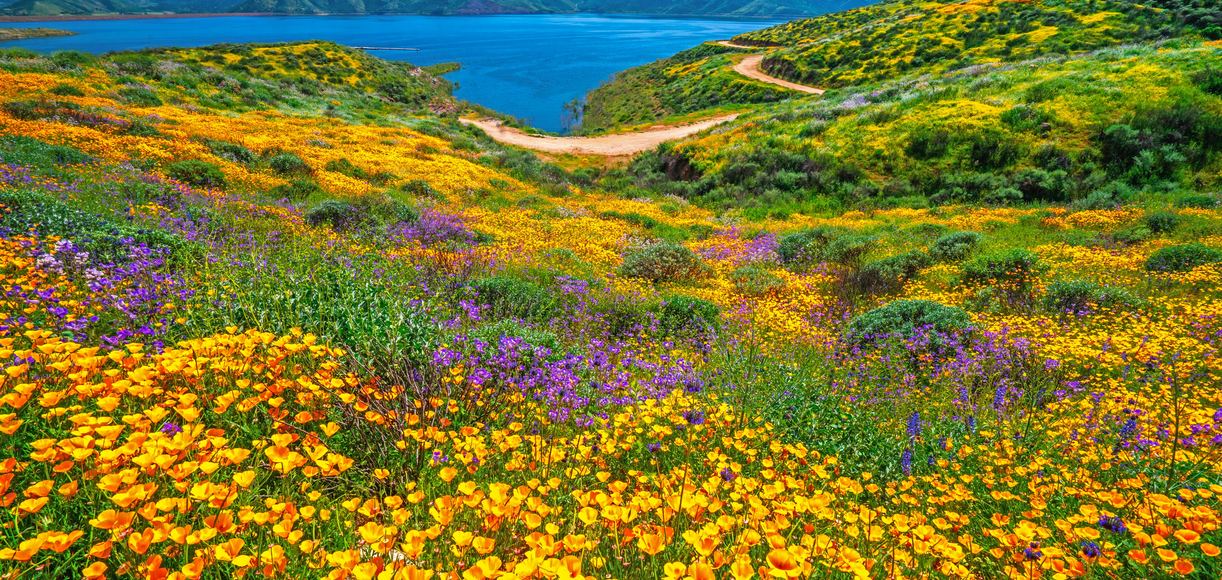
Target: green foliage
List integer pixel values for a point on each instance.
(139, 96)
(682, 314)
(663, 262)
(1162, 222)
(66, 90)
(231, 151)
(494, 332)
(1082, 295)
(755, 280)
(1199, 201)
(28, 211)
(928, 143)
(196, 173)
(903, 318)
(366, 214)
(889, 274)
(340, 215)
(288, 164)
(1182, 258)
(847, 250)
(804, 248)
(297, 190)
(347, 303)
(955, 246)
(1013, 272)
(511, 297)
(345, 167)
(39, 156)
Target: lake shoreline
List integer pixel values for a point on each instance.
(80, 17)
(168, 15)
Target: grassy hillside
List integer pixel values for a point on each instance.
(889, 40)
(272, 311)
(898, 38)
(1097, 130)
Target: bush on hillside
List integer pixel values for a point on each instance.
(197, 173)
(682, 314)
(804, 248)
(288, 164)
(1081, 295)
(663, 262)
(889, 274)
(955, 246)
(1162, 222)
(904, 318)
(1017, 268)
(511, 297)
(340, 215)
(1182, 258)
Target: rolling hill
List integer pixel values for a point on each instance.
(737, 8)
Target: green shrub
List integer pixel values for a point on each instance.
(1182, 258)
(231, 151)
(510, 297)
(755, 280)
(681, 314)
(1015, 266)
(1080, 295)
(955, 246)
(288, 164)
(197, 173)
(805, 247)
(889, 274)
(1161, 222)
(492, 334)
(1132, 235)
(902, 318)
(39, 156)
(927, 143)
(66, 90)
(663, 262)
(139, 97)
(340, 215)
(420, 188)
(1009, 274)
(1198, 201)
(847, 250)
(297, 190)
(345, 167)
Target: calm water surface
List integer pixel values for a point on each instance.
(526, 65)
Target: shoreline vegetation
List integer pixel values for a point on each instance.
(7, 34)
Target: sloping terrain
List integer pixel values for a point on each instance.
(275, 311)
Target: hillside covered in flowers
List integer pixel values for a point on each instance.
(273, 311)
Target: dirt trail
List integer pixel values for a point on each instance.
(609, 145)
(729, 44)
(750, 68)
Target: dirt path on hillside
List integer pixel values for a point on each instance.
(750, 68)
(615, 145)
(729, 44)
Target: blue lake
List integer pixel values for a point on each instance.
(528, 66)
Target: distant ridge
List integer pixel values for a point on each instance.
(735, 8)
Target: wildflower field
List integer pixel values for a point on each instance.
(265, 318)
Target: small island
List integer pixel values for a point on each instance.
(24, 33)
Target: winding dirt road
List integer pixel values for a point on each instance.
(623, 144)
(616, 145)
(750, 68)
